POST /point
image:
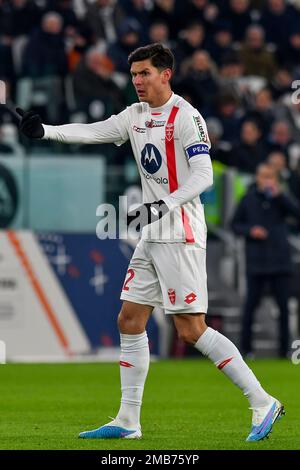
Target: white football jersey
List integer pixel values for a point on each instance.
(164, 142)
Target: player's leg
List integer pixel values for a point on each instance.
(134, 361)
(224, 354)
(141, 292)
(182, 275)
(255, 286)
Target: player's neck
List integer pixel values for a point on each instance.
(161, 99)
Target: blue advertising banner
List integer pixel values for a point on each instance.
(92, 273)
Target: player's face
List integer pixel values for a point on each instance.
(151, 84)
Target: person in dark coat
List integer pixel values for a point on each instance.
(260, 218)
(44, 55)
(251, 150)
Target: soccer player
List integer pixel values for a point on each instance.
(168, 268)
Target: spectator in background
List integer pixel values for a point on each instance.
(231, 75)
(281, 82)
(221, 45)
(128, 40)
(289, 54)
(294, 181)
(66, 10)
(281, 140)
(230, 115)
(21, 17)
(103, 18)
(257, 60)
(278, 19)
(79, 40)
(159, 33)
(238, 13)
(289, 111)
(191, 39)
(292, 58)
(220, 151)
(289, 179)
(202, 11)
(260, 218)
(94, 90)
(138, 9)
(200, 80)
(251, 151)
(277, 161)
(44, 55)
(263, 111)
(170, 12)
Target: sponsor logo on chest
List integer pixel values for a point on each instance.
(140, 130)
(154, 123)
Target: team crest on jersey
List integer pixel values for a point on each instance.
(169, 131)
(172, 296)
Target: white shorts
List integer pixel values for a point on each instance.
(168, 275)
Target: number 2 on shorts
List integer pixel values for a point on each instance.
(131, 276)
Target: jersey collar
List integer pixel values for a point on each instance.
(164, 106)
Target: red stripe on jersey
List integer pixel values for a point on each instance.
(223, 364)
(156, 114)
(189, 236)
(170, 152)
(172, 172)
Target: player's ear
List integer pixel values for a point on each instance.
(166, 75)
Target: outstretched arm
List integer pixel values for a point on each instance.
(113, 130)
(97, 133)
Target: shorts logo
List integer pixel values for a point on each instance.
(190, 298)
(151, 158)
(170, 131)
(172, 296)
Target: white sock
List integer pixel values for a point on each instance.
(227, 358)
(134, 365)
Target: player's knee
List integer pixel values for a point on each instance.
(188, 336)
(124, 320)
(128, 322)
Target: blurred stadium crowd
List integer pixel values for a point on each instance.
(236, 61)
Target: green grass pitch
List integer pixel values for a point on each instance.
(187, 405)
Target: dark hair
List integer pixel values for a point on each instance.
(161, 57)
